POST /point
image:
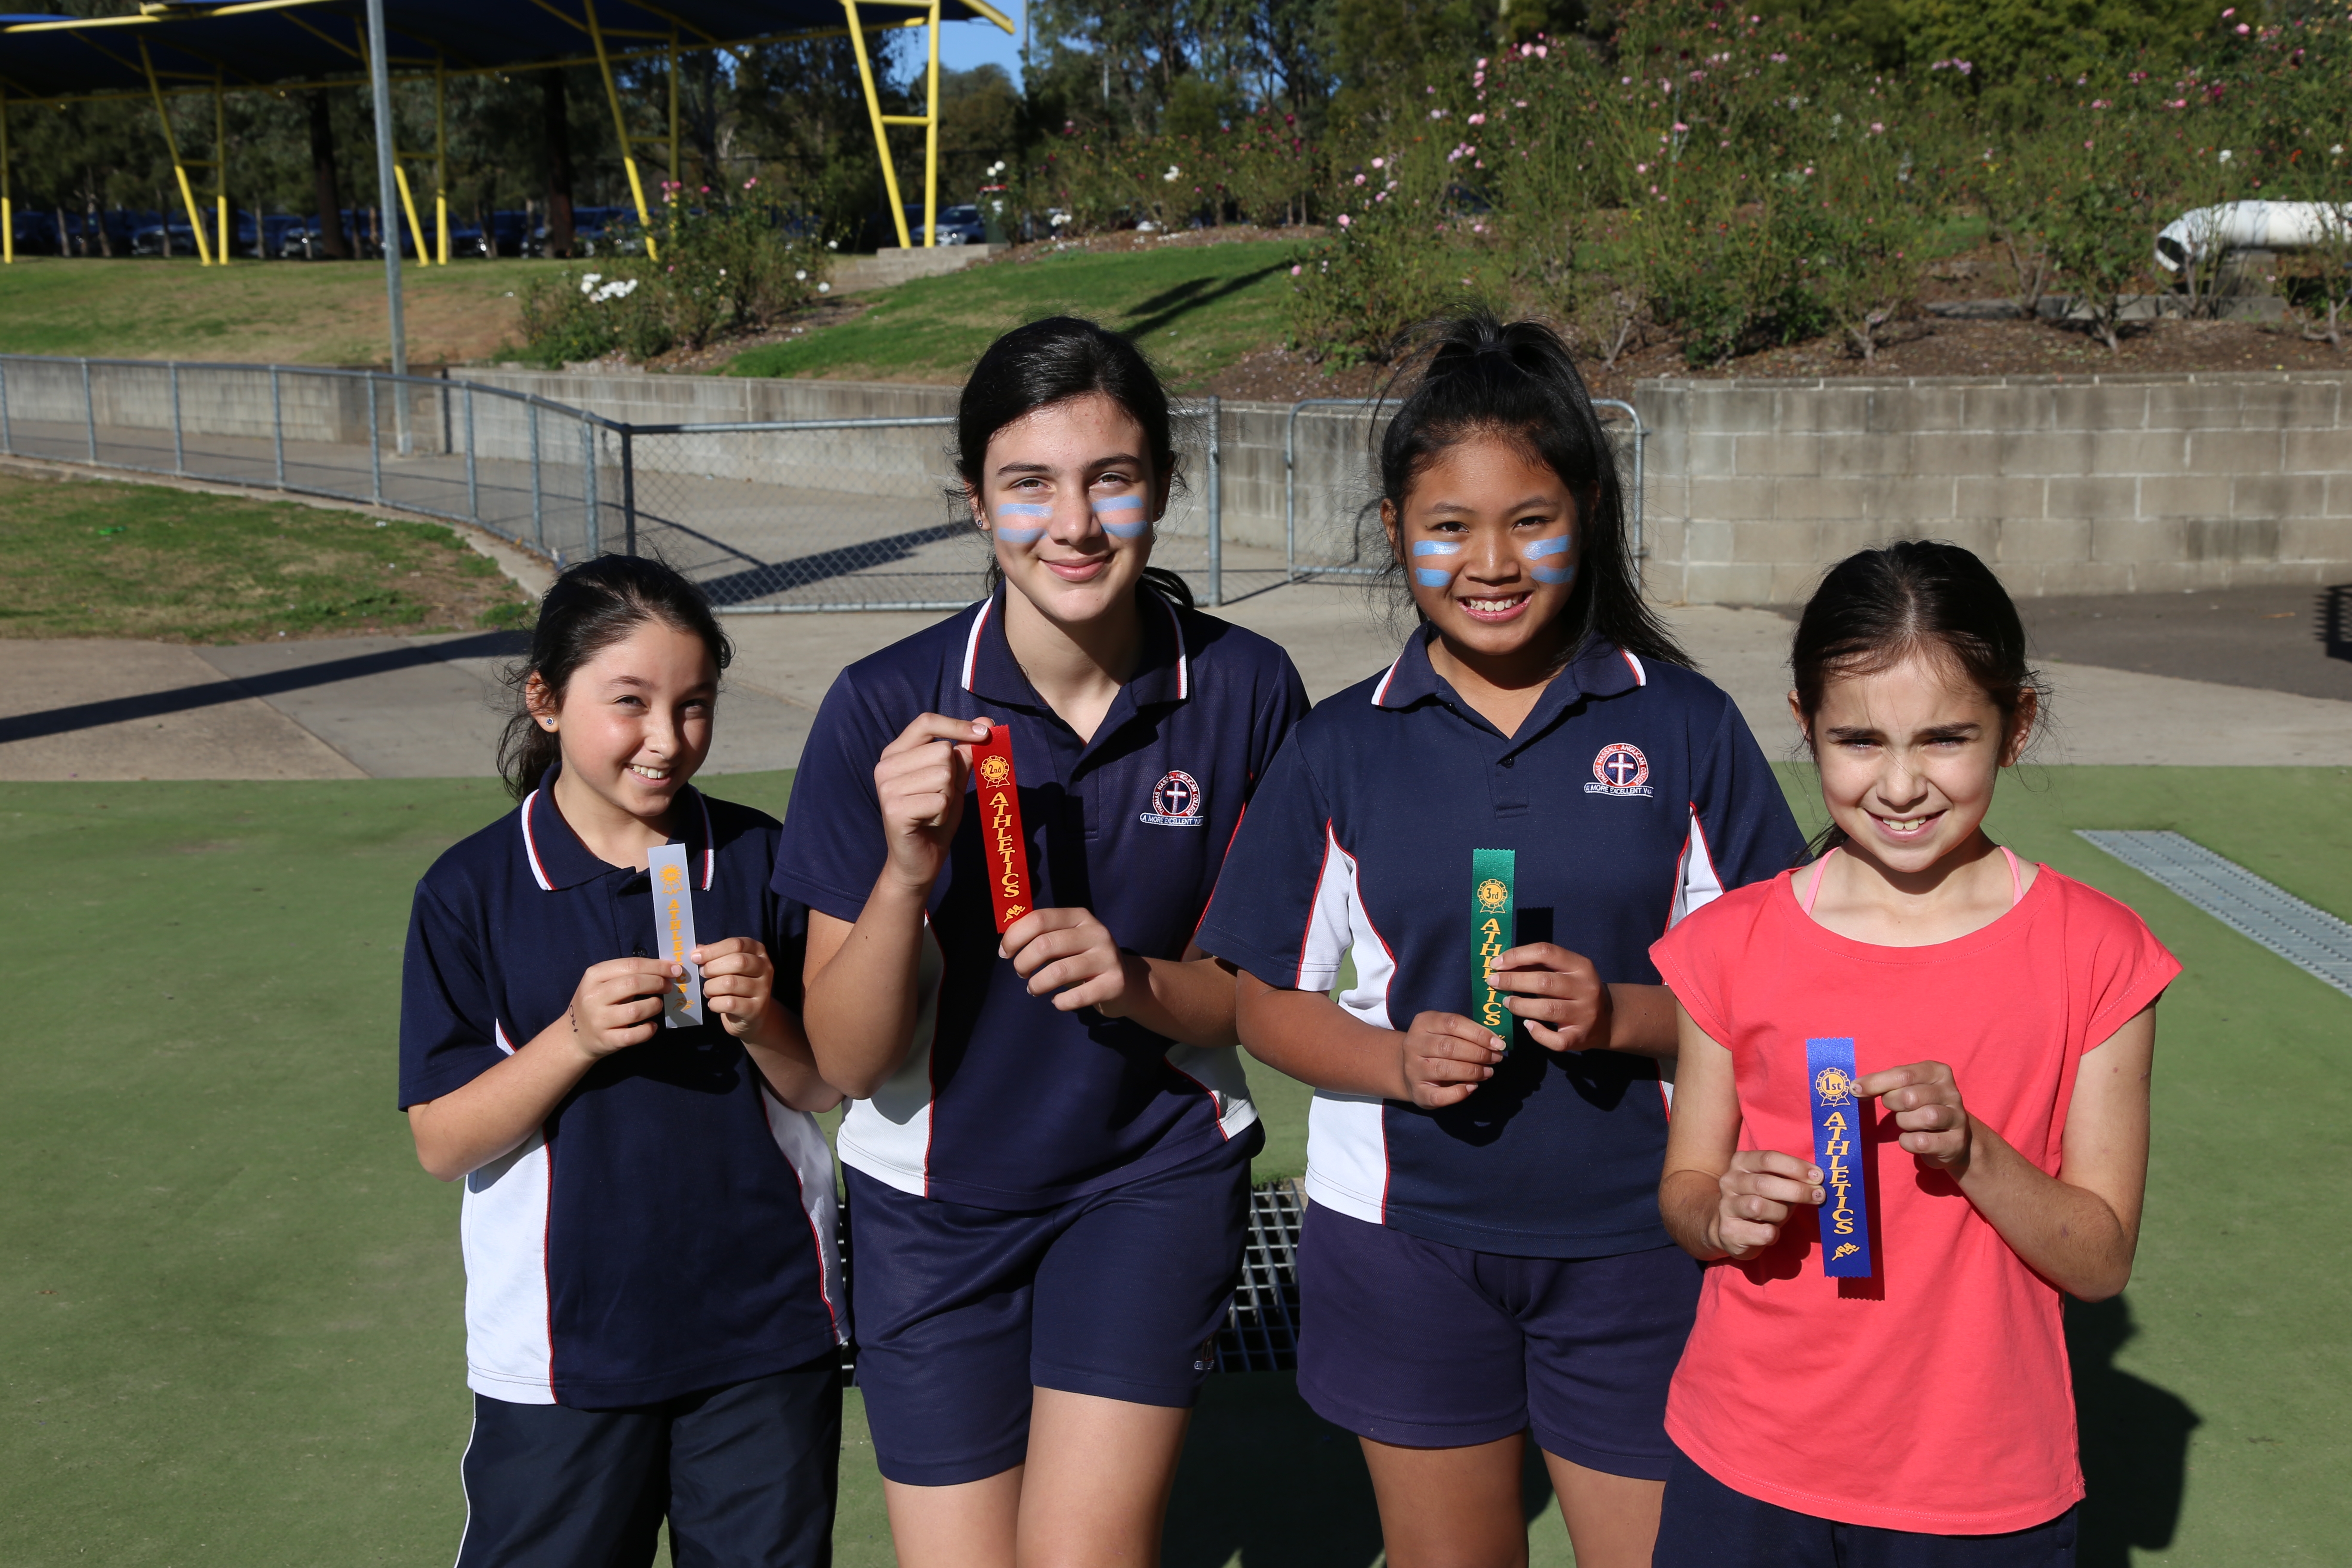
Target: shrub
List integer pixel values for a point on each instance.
(719, 271)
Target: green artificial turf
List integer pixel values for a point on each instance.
(1194, 309)
(231, 1299)
(105, 559)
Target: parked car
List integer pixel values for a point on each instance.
(959, 225)
(165, 239)
(509, 229)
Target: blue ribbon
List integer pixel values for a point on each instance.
(1837, 1150)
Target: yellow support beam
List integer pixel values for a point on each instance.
(179, 168)
(408, 206)
(220, 171)
(881, 134)
(621, 128)
(8, 198)
(440, 163)
(931, 139)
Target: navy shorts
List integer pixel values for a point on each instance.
(1425, 1345)
(1706, 1524)
(745, 1475)
(961, 1311)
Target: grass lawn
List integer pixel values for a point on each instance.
(1194, 309)
(280, 312)
(95, 558)
(232, 1300)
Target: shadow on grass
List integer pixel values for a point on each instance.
(2134, 1441)
(1269, 1484)
(1172, 304)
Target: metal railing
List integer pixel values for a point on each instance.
(771, 517)
(1339, 537)
(534, 472)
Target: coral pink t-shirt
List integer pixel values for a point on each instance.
(1933, 1396)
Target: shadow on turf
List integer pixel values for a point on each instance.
(180, 699)
(1265, 1478)
(2134, 1441)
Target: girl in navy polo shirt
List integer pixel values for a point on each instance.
(1484, 1255)
(653, 1309)
(1048, 1149)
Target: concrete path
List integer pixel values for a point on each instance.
(429, 707)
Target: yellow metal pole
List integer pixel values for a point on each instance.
(220, 168)
(172, 146)
(441, 159)
(621, 128)
(931, 139)
(415, 229)
(8, 202)
(881, 136)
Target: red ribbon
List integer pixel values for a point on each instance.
(1002, 843)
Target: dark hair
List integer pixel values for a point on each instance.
(590, 606)
(1875, 609)
(1052, 361)
(1478, 376)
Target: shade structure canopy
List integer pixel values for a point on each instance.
(243, 45)
(175, 47)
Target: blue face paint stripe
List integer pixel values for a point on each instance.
(1435, 547)
(1120, 504)
(1429, 579)
(1554, 574)
(1022, 508)
(1020, 535)
(1543, 547)
(1125, 530)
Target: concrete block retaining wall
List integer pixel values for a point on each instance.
(2102, 484)
(2091, 485)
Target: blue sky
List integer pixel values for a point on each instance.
(964, 45)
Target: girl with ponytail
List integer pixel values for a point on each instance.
(1494, 830)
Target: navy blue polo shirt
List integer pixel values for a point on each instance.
(671, 1228)
(1633, 793)
(1005, 1102)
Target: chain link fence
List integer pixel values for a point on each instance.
(802, 515)
(1331, 494)
(774, 517)
(538, 473)
(788, 516)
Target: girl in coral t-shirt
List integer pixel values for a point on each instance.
(2002, 1018)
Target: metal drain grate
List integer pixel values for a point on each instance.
(1261, 1332)
(2304, 935)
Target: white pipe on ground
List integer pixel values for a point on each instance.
(2208, 232)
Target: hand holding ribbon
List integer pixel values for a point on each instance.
(918, 785)
(1558, 994)
(1072, 955)
(1758, 1192)
(1442, 1058)
(1928, 1111)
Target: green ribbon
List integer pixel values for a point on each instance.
(1494, 923)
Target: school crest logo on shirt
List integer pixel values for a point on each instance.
(994, 769)
(1620, 769)
(1175, 801)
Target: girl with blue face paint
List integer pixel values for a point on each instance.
(1047, 1151)
(1480, 1262)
